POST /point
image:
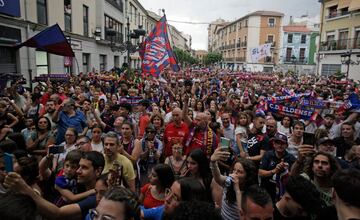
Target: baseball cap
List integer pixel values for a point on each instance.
(280, 137)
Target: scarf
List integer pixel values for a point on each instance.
(208, 140)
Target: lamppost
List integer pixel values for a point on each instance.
(293, 58)
(126, 46)
(346, 59)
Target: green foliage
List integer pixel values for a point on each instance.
(184, 57)
(212, 58)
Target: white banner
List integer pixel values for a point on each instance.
(260, 52)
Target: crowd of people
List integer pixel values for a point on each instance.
(198, 144)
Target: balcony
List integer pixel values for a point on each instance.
(269, 60)
(238, 45)
(244, 44)
(342, 44)
(337, 14)
(273, 43)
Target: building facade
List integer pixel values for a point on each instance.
(96, 29)
(236, 39)
(339, 34)
(296, 44)
(200, 55)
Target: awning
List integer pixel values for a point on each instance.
(344, 4)
(354, 5)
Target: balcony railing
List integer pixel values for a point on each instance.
(337, 14)
(244, 44)
(273, 43)
(341, 44)
(301, 60)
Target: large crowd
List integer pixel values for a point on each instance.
(197, 144)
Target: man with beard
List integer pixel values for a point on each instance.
(111, 147)
(50, 110)
(90, 167)
(322, 167)
(200, 134)
(258, 142)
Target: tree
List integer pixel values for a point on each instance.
(212, 58)
(184, 57)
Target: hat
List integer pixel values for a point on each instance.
(324, 140)
(144, 102)
(280, 137)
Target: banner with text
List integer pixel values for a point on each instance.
(260, 52)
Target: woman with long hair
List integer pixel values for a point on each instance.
(153, 193)
(242, 127)
(40, 139)
(198, 167)
(96, 141)
(151, 151)
(130, 147)
(285, 125)
(243, 175)
(177, 161)
(158, 121)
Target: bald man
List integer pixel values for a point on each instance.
(201, 136)
(175, 132)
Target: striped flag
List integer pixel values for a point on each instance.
(156, 52)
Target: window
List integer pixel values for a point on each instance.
(271, 22)
(112, 24)
(86, 20)
(288, 54)
(67, 15)
(135, 13)
(102, 62)
(246, 23)
(116, 61)
(239, 25)
(7, 60)
(86, 63)
(290, 38)
(302, 55)
(41, 11)
(332, 11)
(270, 38)
(303, 38)
(42, 66)
(343, 39)
(330, 69)
(357, 39)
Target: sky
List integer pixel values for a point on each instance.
(209, 10)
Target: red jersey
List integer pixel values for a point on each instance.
(172, 134)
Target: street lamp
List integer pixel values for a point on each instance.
(293, 58)
(346, 59)
(126, 46)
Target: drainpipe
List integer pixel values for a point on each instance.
(27, 33)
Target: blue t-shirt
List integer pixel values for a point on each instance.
(78, 121)
(87, 204)
(64, 183)
(153, 213)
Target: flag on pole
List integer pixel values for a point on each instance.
(156, 52)
(51, 40)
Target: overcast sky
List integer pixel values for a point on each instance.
(210, 10)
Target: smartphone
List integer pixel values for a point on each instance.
(224, 143)
(56, 149)
(9, 165)
(309, 138)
